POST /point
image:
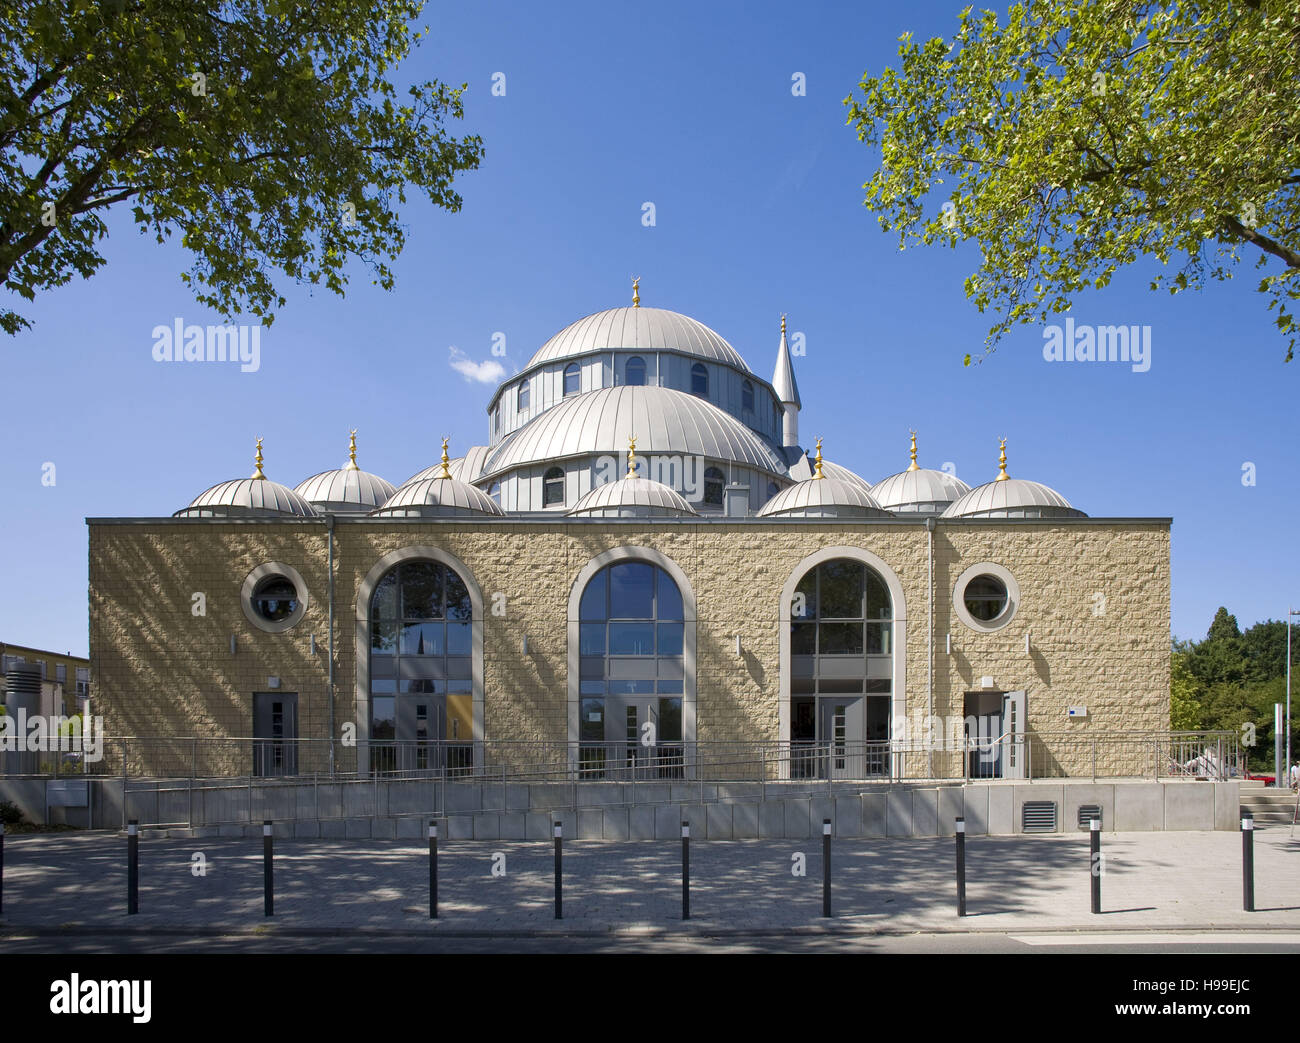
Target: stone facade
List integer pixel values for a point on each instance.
(1094, 604)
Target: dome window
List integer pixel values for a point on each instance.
(714, 484)
(553, 487)
(700, 380)
(572, 379)
(747, 397)
(634, 371)
(522, 405)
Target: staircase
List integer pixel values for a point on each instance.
(1271, 807)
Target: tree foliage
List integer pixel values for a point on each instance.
(1079, 135)
(267, 133)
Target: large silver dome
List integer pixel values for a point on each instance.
(661, 419)
(347, 489)
(638, 329)
(438, 498)
(823, 498)
(923, 491)
(1012, 498)
(256, 497)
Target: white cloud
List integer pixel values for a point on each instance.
(488, 372)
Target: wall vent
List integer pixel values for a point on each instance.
(1038, 816)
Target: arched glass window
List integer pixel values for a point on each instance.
(553, 487)
(700, 380)
(634, 371)
(522, 405)
(631, 634)
(421, 669)
(841, 676)
(715, 484)
(572, 379)
(747, 397)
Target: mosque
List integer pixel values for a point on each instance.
(643, 569)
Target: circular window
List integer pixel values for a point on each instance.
(274, 597)
(986, 596)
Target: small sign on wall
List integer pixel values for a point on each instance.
(1077, 711)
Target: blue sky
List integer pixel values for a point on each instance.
(759, 211)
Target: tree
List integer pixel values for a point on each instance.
(266, 132)
(1084, 133)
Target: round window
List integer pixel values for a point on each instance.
(275, 599)
(986, 597)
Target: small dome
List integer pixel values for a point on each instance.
(1012, 498)
(803, 469)
(463, 468)
(346, 490)
(638, 329)
(438, 498)
(823, 498)
(923, 491)
(255, 497)
(632, 498)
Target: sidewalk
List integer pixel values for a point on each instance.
(1169, 880)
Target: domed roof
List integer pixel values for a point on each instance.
(347, 489)
(437, 498)
(632, 498)
(1006, 497)
(465, 468)
(664, 420)
(823, 498)
(440, 496)
(638, 329)
(257, 497)
(803, 468)
(1012, 498)
(918, 490)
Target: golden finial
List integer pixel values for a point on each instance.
(783, 324)
(631, 457)
(1002, 462)
(352, 452)
(818, 460)
(913, 466)
(446, 471)
(636, 295)
(259, 475)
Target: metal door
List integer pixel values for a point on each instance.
(985, 748)
(1015, 746)
(421, 721)
(843, 737)
(275, 733)
(632, 735)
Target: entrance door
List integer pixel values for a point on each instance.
(984, 732)
(843, 726)
(1013, 724)
(421, 720)
(275, 733)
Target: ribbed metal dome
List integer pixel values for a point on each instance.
(1012, 498)
(248, 497)
(661, 419)
(823, 498)
(347, 490)
(923, 491)
(465, 468)
(803, 469)
(632, 498)
(637, 329)
(438, 498)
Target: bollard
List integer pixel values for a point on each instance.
(1094, 846)
(433, 870)
(686, 870)
(961, 866)
(268, 871)
(559, 866)
(826, 867)
(1248, 861)
(132, 867)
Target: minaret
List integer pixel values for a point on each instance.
(787, 392)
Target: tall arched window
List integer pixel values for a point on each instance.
(715, 484)
(634, 371)
(747, 397)
(572, 379)
(421, 669)
(841, 670)
(700, 380)
(632, 669)
(522, 404)
(553, 487)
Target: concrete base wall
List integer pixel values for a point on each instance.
(634, 812)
